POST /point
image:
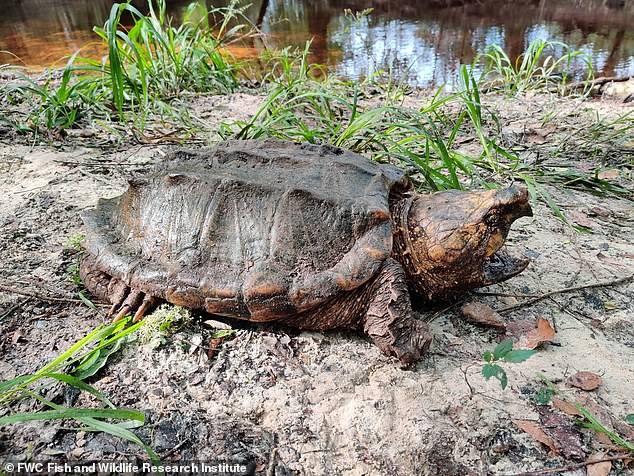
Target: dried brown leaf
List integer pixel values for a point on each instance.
(606, 442)
(480, 313)
(539, 135)
(534, 430)
(608, 174)
(598, 469)
(563, 432)
(584, 380)
(601, 212)
(566, 407)
(581, 219)
(530, 335)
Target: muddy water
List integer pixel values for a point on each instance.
(425, 41)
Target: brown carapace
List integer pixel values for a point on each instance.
(309, 236)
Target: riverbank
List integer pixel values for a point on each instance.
(331, 403)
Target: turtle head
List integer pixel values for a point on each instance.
(453, 240)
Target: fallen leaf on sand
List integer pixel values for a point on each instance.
(601, 212)
(605, 441)
(600, 413)
(584, 380)
(608, 260)
(607, 419)
(539, 135)
(598, 469)
(563, 432)
(566, 407)
(531, 335)
(533, 429)
(581, 219)
(480, 313)
(608, 174)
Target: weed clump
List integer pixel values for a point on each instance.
(146, 67)
(536, 69)
(161, 323)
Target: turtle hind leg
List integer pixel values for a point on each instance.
(388, 320)
(96, 282)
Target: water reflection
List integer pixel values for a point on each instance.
(427, 40)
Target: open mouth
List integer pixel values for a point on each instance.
(501, 266)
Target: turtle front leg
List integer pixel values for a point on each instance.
(389, 322)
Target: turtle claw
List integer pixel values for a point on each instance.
(148, 303)
(131, 303)
(124, 311)
(117, 291)
(112, 310)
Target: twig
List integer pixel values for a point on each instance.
(175, 448)
(98, 164)
(42, 297)
(600, 81)
(270, 471)
(13, 308)
(442, 311)
(513, 295)
(571, 467)
(466, 380)
(540, 297)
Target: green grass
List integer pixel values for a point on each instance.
(304, 104)
(147, 65)
(155, 61)
(587, 420)
(543, 65)
(57, 104)
(503, 352)
(80, 361)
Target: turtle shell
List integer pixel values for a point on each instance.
(251, 229)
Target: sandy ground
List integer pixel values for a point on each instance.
(312, 403)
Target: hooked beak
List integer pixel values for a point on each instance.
(500, 265)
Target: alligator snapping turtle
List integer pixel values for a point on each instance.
(313, 237)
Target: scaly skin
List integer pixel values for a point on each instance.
(447, 242)
(382, 308)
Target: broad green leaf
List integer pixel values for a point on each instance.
(544, 396)
(630, 419)
(491, 370)
(502, 349)
(92, 365)
(501, 376)
(516, 356)
(487, 356)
